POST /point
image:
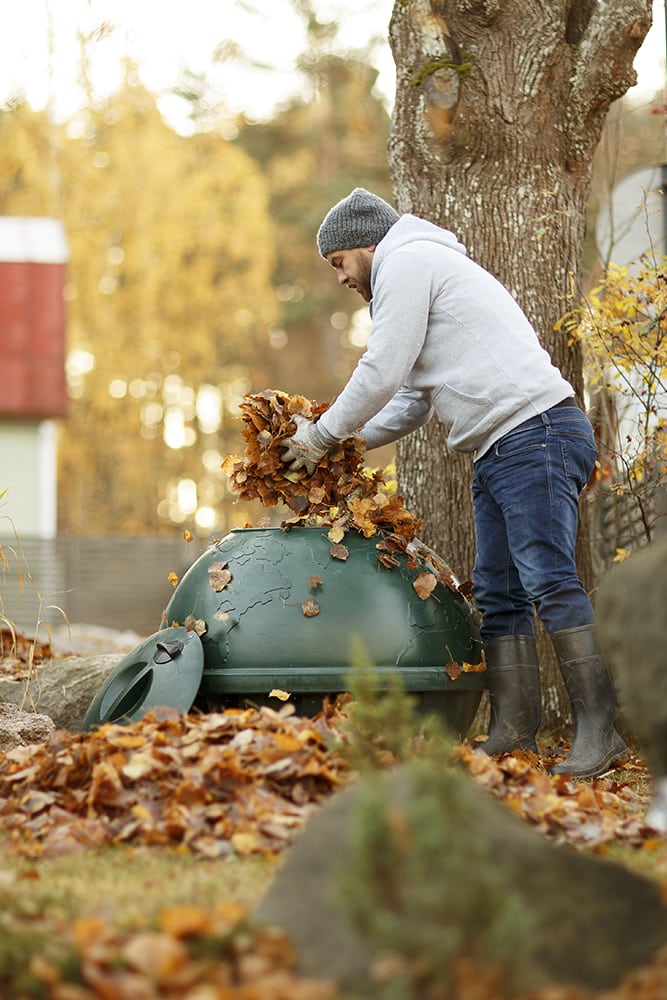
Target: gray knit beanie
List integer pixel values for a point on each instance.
(360, 220)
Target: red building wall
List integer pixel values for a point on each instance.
(33, 257)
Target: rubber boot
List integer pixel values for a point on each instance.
(595, 745)
(513, 678)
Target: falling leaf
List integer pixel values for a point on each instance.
(188, 536)
(173, 579)
(279, 693)
(310, 608)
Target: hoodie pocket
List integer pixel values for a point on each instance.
(470, 419)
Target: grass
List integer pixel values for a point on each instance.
(125, 886)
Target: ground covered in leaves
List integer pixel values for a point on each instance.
(244, 782)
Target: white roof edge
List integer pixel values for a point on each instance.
(38, 240)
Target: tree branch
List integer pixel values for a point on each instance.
(603, 62)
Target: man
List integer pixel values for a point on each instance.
(448, 338)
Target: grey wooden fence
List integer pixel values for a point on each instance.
(118, 582)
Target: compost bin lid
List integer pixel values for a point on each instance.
(165, 669)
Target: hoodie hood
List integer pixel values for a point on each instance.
(412, 229)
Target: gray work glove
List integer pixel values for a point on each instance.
(305, 448)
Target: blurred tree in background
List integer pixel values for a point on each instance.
(169, 300)
(312, 153)
(171, 295)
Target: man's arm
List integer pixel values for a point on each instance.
(401, 306)
(407, 410)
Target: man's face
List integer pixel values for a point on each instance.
(353, 268)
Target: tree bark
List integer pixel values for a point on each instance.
(499, 109)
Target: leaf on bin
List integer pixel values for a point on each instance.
(218, 576)
(424, 585)
(310, 608)
(339, 552)
(453, 670)
(196, 625)
(315, 581)
(474, 668)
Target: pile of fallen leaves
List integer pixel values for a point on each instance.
(18, 653)
(245, 781)
(241, 781)
(588, 815)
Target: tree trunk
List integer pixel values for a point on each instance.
(499, 109)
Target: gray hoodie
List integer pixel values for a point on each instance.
(447, 337)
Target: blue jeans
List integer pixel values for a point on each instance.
(526, 501)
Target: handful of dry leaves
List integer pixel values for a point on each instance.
(342, 493)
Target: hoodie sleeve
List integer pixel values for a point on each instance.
(402, 298)
(407, 410)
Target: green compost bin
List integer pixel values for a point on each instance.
(276, 610)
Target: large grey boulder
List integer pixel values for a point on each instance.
(632, 625)
(61, 688)
(504, 891)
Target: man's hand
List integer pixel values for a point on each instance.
(305, 448)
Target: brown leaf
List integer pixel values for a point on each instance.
(310, 608)
(424, 585)
(196, 625)
(453, 670)
(218, 576)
